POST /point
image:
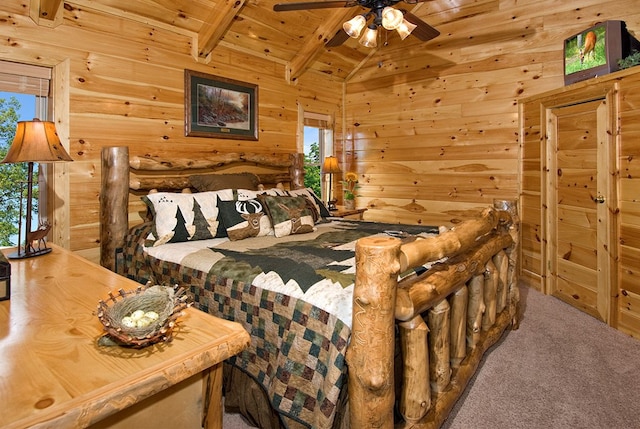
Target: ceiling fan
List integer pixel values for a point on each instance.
(381, 13)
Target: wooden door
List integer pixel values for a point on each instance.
(580, 190)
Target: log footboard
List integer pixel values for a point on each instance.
(447, 317)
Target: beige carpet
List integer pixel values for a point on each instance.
(561, 369)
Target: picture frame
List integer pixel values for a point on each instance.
(219, 107)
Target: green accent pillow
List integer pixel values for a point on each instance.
(313, 198)
(289, 215)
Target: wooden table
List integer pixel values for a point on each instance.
(53, 374)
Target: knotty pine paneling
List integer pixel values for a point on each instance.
(126, 87)
(453, 102)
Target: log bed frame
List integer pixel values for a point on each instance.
(447, 317)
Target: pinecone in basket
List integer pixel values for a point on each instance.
(141, 317)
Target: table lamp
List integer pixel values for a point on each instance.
(35, 141)
(330, 167)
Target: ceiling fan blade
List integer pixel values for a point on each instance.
(284, 7)
(337, 40)
(423, 31)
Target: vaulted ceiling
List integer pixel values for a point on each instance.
(295, 39)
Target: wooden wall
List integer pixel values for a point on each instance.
(622, 207)
(434, 128)
(121, 82)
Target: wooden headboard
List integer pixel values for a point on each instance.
(124, 176)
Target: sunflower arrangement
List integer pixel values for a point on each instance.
(350, 185)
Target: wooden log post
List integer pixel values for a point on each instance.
(439, 328)
(475, 310)
(501, 261)
(297, 170)
(459, 303)
(114, 201)
(490, 289)
(511, 206)
(370, 354)
(415, 396)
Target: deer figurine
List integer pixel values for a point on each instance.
(38, 237)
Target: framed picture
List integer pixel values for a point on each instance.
(220, 107)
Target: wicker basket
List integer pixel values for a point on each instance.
(165, 301)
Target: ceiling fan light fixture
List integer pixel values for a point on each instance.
(370, 37)
(354, 26)
(405, 28)
(391, 18)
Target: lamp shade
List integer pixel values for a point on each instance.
(36, 141)
(330, 165)
(405, 28)
(370, 37)
(391, 18)
(354, 26)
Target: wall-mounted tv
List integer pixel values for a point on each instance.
(596, 51)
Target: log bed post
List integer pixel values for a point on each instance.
(114, 202)
(297, 170)
(371, 349)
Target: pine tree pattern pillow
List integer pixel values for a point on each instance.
(182, 217)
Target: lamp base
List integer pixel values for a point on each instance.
(23, 255)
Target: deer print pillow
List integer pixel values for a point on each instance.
(244, 219)
(289, 215)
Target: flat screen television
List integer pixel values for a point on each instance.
(596, 50)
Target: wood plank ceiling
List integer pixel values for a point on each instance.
(294, 39)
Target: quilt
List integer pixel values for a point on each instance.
(292, 294)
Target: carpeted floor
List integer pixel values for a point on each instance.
(561, 369)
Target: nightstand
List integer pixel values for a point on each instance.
(355, 214)
(55, 374)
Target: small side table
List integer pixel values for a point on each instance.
(354, 214)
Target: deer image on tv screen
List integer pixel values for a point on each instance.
(585, 50)
(589, 46)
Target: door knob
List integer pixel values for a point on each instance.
(599, 199)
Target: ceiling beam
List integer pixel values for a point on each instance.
(47, 13)
(315, 43)
(216, 25)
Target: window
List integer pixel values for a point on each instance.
(318, 143)
(24, 93)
